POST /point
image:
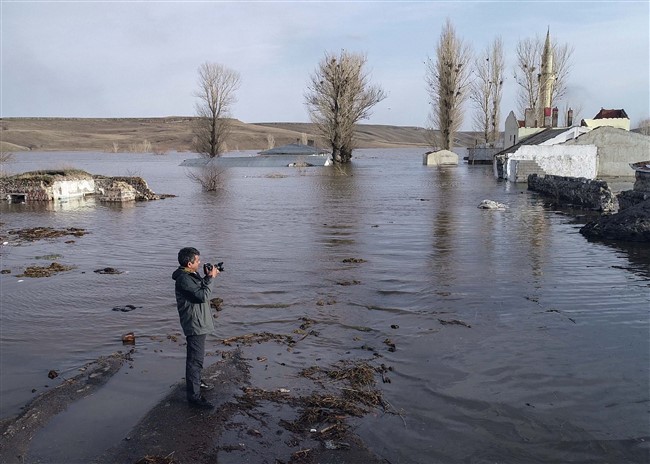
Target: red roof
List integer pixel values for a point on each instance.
(611, 114)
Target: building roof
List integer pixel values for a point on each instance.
(261, 161)
(535, 139)
(294, 149)
(611, 114)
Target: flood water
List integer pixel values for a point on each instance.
(551, 363)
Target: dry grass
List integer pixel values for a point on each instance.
(160, 135)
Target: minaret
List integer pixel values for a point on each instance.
(546, 83)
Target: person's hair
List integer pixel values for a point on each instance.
(186, 255)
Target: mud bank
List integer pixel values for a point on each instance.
(17, 432)
(249, 424)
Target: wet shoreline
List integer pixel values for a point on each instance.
(244, 427)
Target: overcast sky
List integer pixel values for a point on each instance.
(140, 58)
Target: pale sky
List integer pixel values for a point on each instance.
(140, 58)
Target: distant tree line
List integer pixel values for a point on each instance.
(339, 93)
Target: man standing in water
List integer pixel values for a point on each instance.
(193, 303)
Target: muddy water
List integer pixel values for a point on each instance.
(550, 364)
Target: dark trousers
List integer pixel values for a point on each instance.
(193, 365)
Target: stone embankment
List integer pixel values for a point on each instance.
(631, 222)
(577, 191)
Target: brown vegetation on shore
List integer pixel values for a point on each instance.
(160, 135)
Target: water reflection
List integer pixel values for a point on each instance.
(444, 226)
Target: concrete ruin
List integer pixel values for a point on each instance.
(56, 185)
(617, 148)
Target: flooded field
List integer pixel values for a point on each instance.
(511, 338)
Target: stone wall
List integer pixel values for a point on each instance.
(557, 160)
(591, 194)
(142, 190)
(118, 192)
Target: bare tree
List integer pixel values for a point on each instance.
(209, 177)
(340, 95)
(486, 91)
(448, 80)
(528, 66)
(216, 94)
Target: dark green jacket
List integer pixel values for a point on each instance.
(193, 302)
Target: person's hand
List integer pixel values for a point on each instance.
(214, 272)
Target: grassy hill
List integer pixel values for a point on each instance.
(175, 134)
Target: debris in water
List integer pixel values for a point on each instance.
(454, 322)
(391, 346)
(153, 459)
(108, 270)
(126, 308)
(249, 339)
(216, 303)
(347, 283)
(45, 271)
(40, 233)
(491, 204)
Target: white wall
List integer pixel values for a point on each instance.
(557, 160)
(72, 188)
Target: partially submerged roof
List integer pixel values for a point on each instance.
(295, 149)
(535, 139)
(261, 161)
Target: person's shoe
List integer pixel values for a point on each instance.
(201, 403)
(206, 386)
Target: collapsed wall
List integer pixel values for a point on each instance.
(578, 191)
(114, 189)
(51, 185)
(47, 185)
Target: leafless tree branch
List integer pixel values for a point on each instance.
(216, 96)
(486, 91)
(209, 177)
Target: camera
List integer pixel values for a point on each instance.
(207, 267)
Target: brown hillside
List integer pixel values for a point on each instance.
(175, 134)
